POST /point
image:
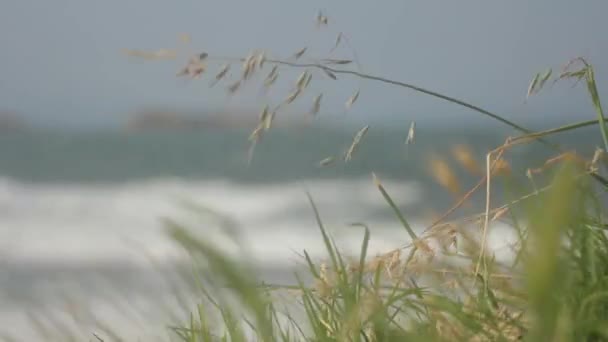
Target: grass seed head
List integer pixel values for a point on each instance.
(316, 105)
(327, 161)
(293, 96)
(330, 74)
(307, 82)
(301, 79)
(223, 71)
(444, 175)
(464, 156)
(501, 167)
(300, 53)
(261, 60)
(352, 100)
(337, 42)
(234, 87)
(410, 134)
(356, 141)
(321, 19)
(272, 77)
(269, 120)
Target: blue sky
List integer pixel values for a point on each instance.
(61, 60)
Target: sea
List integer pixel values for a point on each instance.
(84, 247)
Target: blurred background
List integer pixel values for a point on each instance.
(96, 146)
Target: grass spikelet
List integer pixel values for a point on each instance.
(300, 53)
(266, 118)
(253, 62)
(234, 87)
(269, 120)
(598, 155)
(356, 141)
(261, 60)
(501, 167)
(500, 213)
(327, 161)
(248, 66)
(321, 19)
(337, 43)
(444, 175)
(538, 82)
(411, 134)
(545, 77)
(198, 71)
(336, 61)
(424, 247)
(221, 74)
(302, 79)
(330, 74)
(448, 238)
(273, 71)
(257, 133)
(316, 105)
(352, 100)
(464, 156)
(307, 82)
(264, 113)
(195, 66)
(272, 77)
(568, 73)
(532, 86)
(293, 96)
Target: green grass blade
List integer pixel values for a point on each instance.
(597, 104)
(326, 239)
(543, 274)
(362, 257)
(390, 201)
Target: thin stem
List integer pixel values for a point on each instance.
(404, 85)
(560, 129)
(409, 86)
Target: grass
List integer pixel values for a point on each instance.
(555, 291)
(442, 285)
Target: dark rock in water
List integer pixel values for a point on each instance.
(174, 120)
(11, 123)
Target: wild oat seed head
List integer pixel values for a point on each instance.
(411, 133)
(330, 74)
(352, 100)
(234, 87)
(327, 161)
(316, 106)
(301, 79)
(293, 96)
(356, 141)
(300, 52)
(444, 175)
(464, 156)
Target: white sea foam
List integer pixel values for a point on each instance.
(72, 223)
(83, 225)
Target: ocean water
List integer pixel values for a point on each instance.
(81, 213)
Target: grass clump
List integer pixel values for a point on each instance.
(556, 290)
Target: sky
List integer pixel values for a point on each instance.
(61, 62)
